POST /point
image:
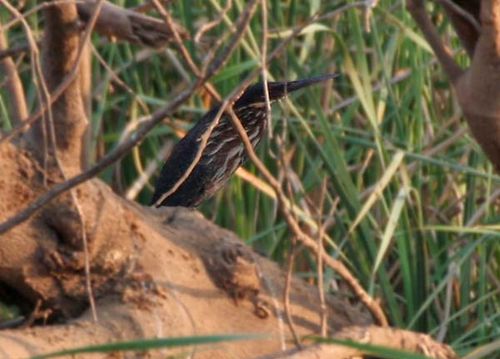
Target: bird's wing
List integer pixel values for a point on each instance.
(182, 156)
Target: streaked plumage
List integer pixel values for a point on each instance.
(224, 151)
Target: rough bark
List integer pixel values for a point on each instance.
(67, 116)
(478, 90)
(154, 272)
(157, 273)
(118, 24)
(60, 45)
(477, 87)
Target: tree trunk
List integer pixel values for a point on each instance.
(165, 272)
(152, 273)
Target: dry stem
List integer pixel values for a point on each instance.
(310, 243)
(17, 100)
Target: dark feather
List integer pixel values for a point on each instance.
(224, 151)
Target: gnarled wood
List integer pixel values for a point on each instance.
(152, 273)
(123, 24)
(478, 87)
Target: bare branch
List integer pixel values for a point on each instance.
(62, 37)
(287, 291)
(182, 49)
(464, 15)
(13, 51)
(114, 22)
(147, 125)
(69, 113)
(109, 159)
(263, 56)
(124, 24)
(242, 24)
(419, 14)
(294, 226)
(125, 146)
(467, 16)
(211, 24)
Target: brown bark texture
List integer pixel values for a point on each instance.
(156, 273)
(478, 89)
(478, 86)
(60, 133)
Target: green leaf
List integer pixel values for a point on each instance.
(148, 344)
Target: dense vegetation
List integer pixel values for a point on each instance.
(381, 155)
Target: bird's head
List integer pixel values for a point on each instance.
(255, 94)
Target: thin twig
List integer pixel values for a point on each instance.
(444, 55)
(462, 13)
(58, 91)
(182, 49)
(60, 165)
(13, 51)
(114, 76)
(119, 151)
(39, 7)
(340, 10)
(286, 177)
(136, 187)
(369, 6)
(211, 24)
(37, 74)
(336, 265)
(243, 23)
(263, 62)
(287, 290)
(88, 283)
(319, 255)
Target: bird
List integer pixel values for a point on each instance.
(224, 151)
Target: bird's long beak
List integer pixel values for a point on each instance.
(278, 90)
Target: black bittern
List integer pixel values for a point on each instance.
(224, 151)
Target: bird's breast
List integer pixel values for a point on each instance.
(225, 148)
